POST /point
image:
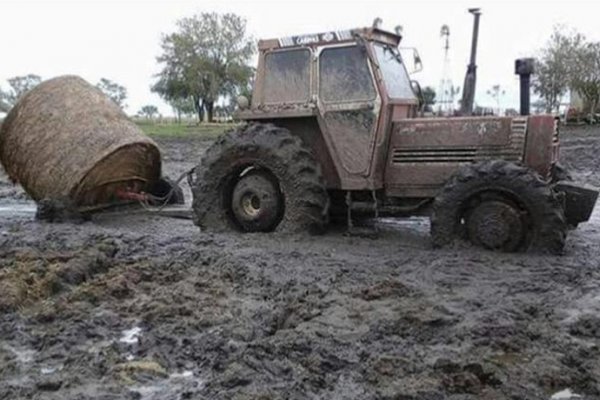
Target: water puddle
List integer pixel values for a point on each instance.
(181, 375)
(23, 355)
(166, 388)
(131, 336)
(18, 209)
(418, 223)
(51, 370)
(565, 395)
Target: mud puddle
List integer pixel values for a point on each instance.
(17, 210)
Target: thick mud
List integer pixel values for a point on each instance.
(131, 306)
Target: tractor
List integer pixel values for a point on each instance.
(334, 131)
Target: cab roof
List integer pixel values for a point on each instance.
(331, 37)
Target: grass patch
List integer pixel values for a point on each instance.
(206, 131)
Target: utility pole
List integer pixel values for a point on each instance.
(468, 97)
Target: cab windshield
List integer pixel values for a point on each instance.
(394, 73)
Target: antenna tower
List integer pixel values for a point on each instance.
(446, 90)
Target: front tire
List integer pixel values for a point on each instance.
(500, 206)
(560, 173)
(260, 178)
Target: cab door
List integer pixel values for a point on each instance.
(349, 107)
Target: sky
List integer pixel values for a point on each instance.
(120, 40)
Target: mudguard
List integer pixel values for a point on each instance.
(579, 200)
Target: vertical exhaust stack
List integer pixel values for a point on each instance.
(524, 68)
(468, 97)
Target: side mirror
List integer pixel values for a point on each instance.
(418, 64)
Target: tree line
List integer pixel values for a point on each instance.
(205, 62)
(19, 85)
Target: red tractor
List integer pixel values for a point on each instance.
(333, 130)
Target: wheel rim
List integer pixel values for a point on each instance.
(256, 202)
(251, 204)
(496, 225)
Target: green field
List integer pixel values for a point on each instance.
(208, 131)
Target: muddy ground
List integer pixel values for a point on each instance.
(130, 306)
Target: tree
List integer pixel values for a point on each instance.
(4, 106)
(148, 111)
(553, 68)
(206, 58)
(428, 97)
(181, 107)
(585, 75)
(496, 92)
(19, 85)
(116, 92)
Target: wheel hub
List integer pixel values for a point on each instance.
(251, 204)
(496, 225)
(256, 202)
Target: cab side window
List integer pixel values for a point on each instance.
(287, 76)
(344, 75)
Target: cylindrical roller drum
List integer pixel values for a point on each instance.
(65, 138)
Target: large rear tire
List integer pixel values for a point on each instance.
(260, 178)
(500, 206)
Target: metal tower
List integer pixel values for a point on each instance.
(446, 91)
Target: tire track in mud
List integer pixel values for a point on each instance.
(289, 281)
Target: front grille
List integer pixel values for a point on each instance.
(433, 155)
(513, 150)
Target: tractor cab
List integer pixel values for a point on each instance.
(352, 66)
(353, 84)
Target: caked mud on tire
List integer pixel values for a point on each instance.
(560, 173)
(270, 173)
(501, 206)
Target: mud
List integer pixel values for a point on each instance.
(130, 306)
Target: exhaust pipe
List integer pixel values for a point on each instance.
(468, 97)
(524, 67)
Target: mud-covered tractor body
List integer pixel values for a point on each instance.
(348, 96)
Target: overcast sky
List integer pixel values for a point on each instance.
(120, 40)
